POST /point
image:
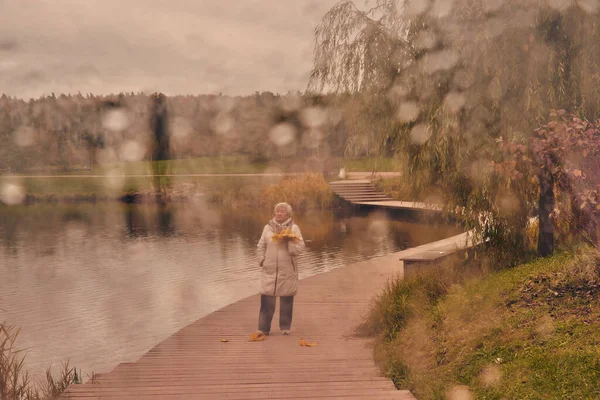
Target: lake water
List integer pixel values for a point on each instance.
(102, 284)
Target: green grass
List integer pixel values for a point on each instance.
(370, 164)
(201, 165)
(530, 332)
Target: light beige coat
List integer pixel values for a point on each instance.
(279, 264)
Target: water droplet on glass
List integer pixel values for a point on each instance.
(441, 8)
(508, 204)
(398, 91)
(408, 112)
(426, 40)
(282, 134)
(454, 102)
(416, 7)
(291, 102)
(478, 170)
(494, 27)
(225, 104)
(419, 134)
(463, 80)
(106, 156)
(523, 19)
(12, 194)
(223, 124)
(490, 6)
(439, 61)
(589, 6)
(313, 117)
(24, 136)
(560, 5)
(115, 120)
(491, 375)
(115, 180)
(181, 128)
(495, 90)
(132, 151)
(460, 393)
(378, 228)
(313, 138)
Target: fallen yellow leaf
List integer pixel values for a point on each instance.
(224, 340)
(304, 343)
(257, 337)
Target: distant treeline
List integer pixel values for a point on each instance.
(68, 132)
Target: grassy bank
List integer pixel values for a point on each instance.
(530, 332)
(307, 191)
(15, 383)
(225, 165)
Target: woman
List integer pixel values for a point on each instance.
(277, 254)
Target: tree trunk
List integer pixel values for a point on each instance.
(546, 205)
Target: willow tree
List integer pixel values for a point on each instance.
(456, 88)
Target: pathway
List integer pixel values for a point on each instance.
(195, 363)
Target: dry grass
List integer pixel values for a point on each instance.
(303, 192)
(15, 383)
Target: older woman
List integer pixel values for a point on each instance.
(279, 278)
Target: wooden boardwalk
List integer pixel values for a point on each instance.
(195, 363)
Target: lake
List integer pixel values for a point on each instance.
(100, 284)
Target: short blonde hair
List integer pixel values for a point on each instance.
(288, 208)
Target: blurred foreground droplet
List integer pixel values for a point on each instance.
(107, 156)
(491, 6)
(132, 151)
(408, 112)
(223, 124)
(454, 102)
(115, 180)
(560, 5)
(589, 6)
(313, 117)
(291, 102)
(24, 136)
(419, 134)
(282, 134)
(426, 40)
(115, 120)
(12, 194)
(225, 104)
(416, 7)
(398, 92)
(181, 128)
(495, 27)
(439, 61)
(441, 8)
(490, 375)
(460, 393)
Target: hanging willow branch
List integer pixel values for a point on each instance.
(357, 50)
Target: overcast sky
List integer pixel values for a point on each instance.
(173, 46)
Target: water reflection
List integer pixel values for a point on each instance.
(102, 284)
